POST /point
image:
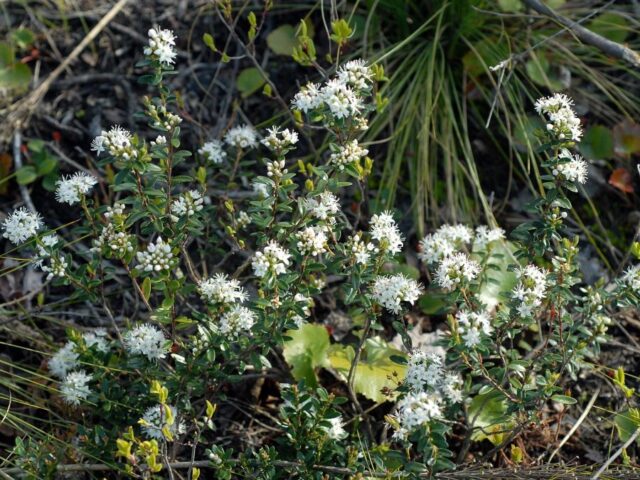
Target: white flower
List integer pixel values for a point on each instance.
(336, 431)
(631, 278)
(116, 243)
(385, 231)
(473, 325)
(75, 387)
(97, 339)
(451, 387)
(186, 205)
(273, 258)
(243, 219)
(486, 236)
(146, 340)
(456, 270)
(155, 419)
(341, 99)
(161, 46)
(530, 290)
(278, 140)
(390, 291)
(312, 241)
(116, 141)
(424, 369)
(160, 141)
(276, 169)
(70, 189)
(360, 250)
(64, 360)
(324, 206)
(308, 98)
(348, 154)
(416, 410)
(445, 241)
(563, 122)
(260, 189)
(235, 321)
(21, 225)
(242, 137)
(575, 169)
(213, 151)
(57, 267)
(221, 289)
(156, 258)
(356, 74)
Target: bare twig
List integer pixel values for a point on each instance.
(17, 159)
(606, 464)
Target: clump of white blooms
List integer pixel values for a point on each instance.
(426, 372)
(237, 320)
(416, 410)
(146, 340)
(160, 141)
(278, 140)
(563, 122)
(390, 291)
(276, 169)
(571, 166)
(360, 249)
(186, 205)
(472, 325)
(336, 431)
(117, 243)
(75, 387)
(272, 259)
(312, 241)
(530, 290)
(21, 225)
(486, 236)
(324, 206)
(96, 339)
(221, 289)
(456, 270)
(445, 241)
(161, 46)
(242, 137)
(116, 141)
(356, 74)
(384, 230)
(156, 258)
(64, 360)
(631, 278)
(57, 267)
(213, 151)
(347, 154)
(72, 188)
(341, 100)
(260, 189)
(155, 419)
(308, 98)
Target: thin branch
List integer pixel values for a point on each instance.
(606, 464)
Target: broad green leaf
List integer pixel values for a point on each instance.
(511, 6)
(499, 281)
(487, 416)
(627, 422)
(249, 81)
(23, 37)
(564, 399)
(146, 288)
(7, 55)
(306, 351)
(283, 40)
(610, 25)
(26, 175)
(540, 72)
(597, 143)
(15, 77)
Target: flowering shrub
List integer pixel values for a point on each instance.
(226, 279)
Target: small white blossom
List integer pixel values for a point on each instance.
(348, 154)
(243, 137)
(213, 151)
(260, 189)
(21, 225)
(155, 419)
(563, 122)
(221, 289)
(427, 373)
(456, 270)
(530, 290)
(156, 258)
(472, 326)
(360, 249)
(312, 241)
(341, 100)
(385, 231)
(64, 360)
(324, 206)
(116, 141)
(574, 169)
(72, 188)
(96, 339)
(160, 141)
(75, 387)
(356, 74)
(276, 169)
(161, 46)
(146, 340)
(243, 219)
(486, 236)
(308, 98)
(278, 140)
(57, 267)
(273, 258)
(445, 241)
(631, 278)
(416, 410)
(237, 320)
(186, 205)
(336, 431)
(116, 243)
(390, 291)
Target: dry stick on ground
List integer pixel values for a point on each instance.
(606, 464)
(607, 46)
(21, 111)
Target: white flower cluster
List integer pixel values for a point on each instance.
(563, 122)
(343, 102)
(275, 169)
(278, 140)
(57, 267)
(449, 239)
(146, 340)
(112, 237)
(356, 74)
(416, 410)
(456, 270)
(390, 291)
(117, 142)
(221, 289)
(486, 236)
(631, 278)
(242, 137)
(235, 321)
(75, 387)
(384, 230)
(156, 258)
(96, 339)
(155, 419)
(312, 241)
(72, 188)
(426, 373)
(272, 259)
(347, 154)
(472, 326)
(160, 141)
(186, 205)
(21, 225)
(64, 360)
(530, 290)
(574, 168)
(324, 207)
(161, 46)
(360, 249)
(213, 151)
(336, 430)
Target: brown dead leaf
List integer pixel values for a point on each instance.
(621, 179)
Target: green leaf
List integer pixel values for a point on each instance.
(511, 6)
(209, 42)
(499, 280)
(564, 399)
(249, 81)
(306, 350)
(610, 25)
(283, 40)
(26, 175)
(146, 288)
(597, 143)
(7, 55)
(627, 422)
(487, 415)
(540, 72)
(15, 77)
(23, 37)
